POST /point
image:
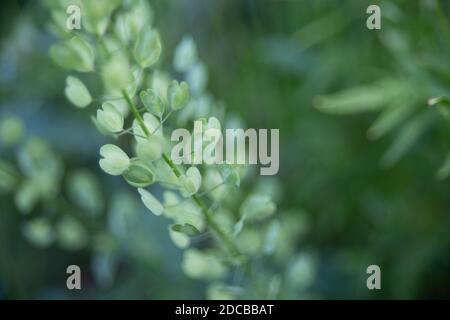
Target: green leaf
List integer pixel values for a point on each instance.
(354, 100)
(77, 93)
(147, 49)
(442, 100)
(442, 105)
(388, 120)
(115, 161)
(76, 54)
(151, 202)
(138, 174)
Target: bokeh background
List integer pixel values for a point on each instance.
(269, 61)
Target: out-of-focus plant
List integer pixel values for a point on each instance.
(35, 179)
(402, 93)
(222, 215)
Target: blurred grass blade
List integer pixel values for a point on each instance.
(359, 99)
(444, 170)
(407, 136)
(389, 119)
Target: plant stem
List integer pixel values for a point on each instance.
(135, 113)
(234, 251)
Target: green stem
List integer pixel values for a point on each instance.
(135, 112)
(206, 212)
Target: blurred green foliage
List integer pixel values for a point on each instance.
(366, 187)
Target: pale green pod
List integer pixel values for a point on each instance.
(115, 161)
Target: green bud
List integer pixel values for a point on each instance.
(302, 271)
(151, 202)
(84, 190)
(152, 102)
(116, 74)
(129, 24)
(150, 149)
(77, 93)
(97, 14)
(201, 265)
(11, 130)
(197, 77)
(179, 239)
(138, 174)
(212, 125)
(151, 123)
(9, 177)
(147, 49)
(178, 95)
(71, 234)
(76, 54)
(26, 197)
(115, 161)
(191, 181)
(220, 291)
(39, 232)
(230, 175)
(110, 118)
(185, 54)
(159, 83)
(257, 207)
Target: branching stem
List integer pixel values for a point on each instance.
(228, 242)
